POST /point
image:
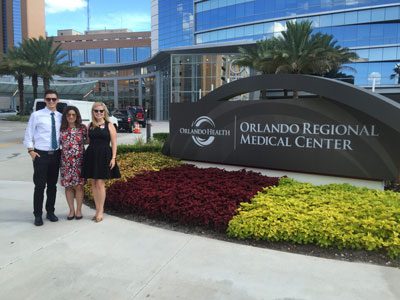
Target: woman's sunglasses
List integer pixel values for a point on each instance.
(51, 99)
(98, 110)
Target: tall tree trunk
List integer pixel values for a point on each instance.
(46, 83)
(35, 86)
(20, 80)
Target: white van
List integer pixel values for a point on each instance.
(85, 108)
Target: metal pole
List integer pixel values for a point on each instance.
(148, 123)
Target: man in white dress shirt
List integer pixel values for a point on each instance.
(42, 140)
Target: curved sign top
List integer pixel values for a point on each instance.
(375, 105)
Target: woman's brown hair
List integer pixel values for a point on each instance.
(64, 122)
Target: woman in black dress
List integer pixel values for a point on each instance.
(100, 159)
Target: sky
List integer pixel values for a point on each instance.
(134, 15)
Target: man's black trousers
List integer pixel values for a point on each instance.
(45, 173)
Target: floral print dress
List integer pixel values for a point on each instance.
(72, 149)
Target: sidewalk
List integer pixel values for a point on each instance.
(120, 259)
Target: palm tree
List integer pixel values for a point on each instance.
(297, 51)
(47, 60)
(396, 71)
(13, 63)
(260, 58)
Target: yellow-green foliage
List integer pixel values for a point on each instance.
(131, 164)
(338, 215)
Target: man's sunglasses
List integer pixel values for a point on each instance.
(98, 110)
(51, 99)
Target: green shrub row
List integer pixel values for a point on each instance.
(335, 215)
(160, 136)
(153, 146)
(18, 118)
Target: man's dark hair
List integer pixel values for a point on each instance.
(50, 92)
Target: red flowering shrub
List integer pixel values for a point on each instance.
(187, 194)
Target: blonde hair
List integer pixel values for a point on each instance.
(106, 114)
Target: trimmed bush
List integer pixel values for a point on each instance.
(18, 118)
(338, 215)
(160, 136)
(187, 195)
(153, 146)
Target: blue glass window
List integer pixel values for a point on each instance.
(93, 56)
(142, 53)
(77, 57)
(63, 55)
(17, 23)
(126, 55)
(110, 55)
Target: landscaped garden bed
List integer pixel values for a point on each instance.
(335, 221)
(187, 194)
(334, 215)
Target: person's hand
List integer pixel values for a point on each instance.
(33, 155)
(112, 163)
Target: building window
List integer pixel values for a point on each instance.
(126, 55)
(110, 55)
(93, 56)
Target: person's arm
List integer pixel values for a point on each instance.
(113, 135)
(28, 138)
(87, 139)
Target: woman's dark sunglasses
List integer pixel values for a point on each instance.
(98, 110)
(51, 99)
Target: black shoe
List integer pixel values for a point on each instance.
(38, 221)
(52, 217)
(70, 218)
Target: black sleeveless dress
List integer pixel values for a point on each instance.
(97, 157)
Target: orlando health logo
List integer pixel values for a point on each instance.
(204, 131)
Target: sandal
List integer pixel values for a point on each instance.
(69, 218)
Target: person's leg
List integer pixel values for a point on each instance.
(39, 179)
(70, 194)
(93, 184)
(101, 193)
(79, 200)
(52, 178)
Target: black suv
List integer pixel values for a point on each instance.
(128, 116)
(139, 114)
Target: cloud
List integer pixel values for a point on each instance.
(134, 22)
(57, 6)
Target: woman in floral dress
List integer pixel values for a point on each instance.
(73, 135)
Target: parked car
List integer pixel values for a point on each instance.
(126, 119)
(128, 116)
(5, 113)
(139, 114)
(85, 108)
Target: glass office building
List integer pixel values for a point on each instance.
(194, 43)
(369, 27)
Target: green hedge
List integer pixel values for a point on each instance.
(335, 215)
(160, 136)
(18, 118)
(153, 146)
